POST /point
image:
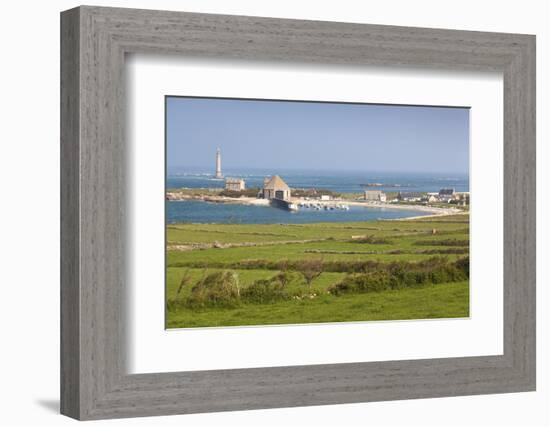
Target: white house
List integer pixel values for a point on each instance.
(375, 195)
(411, 196)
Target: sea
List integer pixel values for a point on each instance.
(342, 182)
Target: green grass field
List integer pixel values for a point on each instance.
(253, 251)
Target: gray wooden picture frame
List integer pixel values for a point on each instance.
(94, 381)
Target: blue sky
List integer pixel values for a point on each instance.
(315, 136)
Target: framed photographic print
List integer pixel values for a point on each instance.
(311, 220)
(262, 213)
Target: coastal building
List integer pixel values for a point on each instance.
(275, 188)
(411, 196)
(430, 198)
(375, 196)
(447, 194)
(326, 197)
(234, 184)
(461, 199)
(218, 174)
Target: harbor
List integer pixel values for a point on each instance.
(231, 199)
(208, 212)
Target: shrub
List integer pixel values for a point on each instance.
(177, 301)
(342, 287)
(362, 283)
(284, 278)
(184, 282)
(215, 289)
(463, 264)
(265, 291)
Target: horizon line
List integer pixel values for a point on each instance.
(209, 170)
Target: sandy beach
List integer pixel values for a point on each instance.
(433, 211)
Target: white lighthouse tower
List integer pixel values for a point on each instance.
(219, 174)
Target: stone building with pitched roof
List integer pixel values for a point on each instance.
(234, 184)
(275, 188)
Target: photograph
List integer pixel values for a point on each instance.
(296, 212)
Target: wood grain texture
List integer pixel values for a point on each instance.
(94, 381)
(70, 259)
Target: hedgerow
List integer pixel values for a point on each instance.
(398, 275)
(221, 289)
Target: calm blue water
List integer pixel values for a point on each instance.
(203, 212)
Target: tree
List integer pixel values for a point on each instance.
(283, 277)
(311, 269)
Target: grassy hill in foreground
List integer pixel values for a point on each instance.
(383, 270)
